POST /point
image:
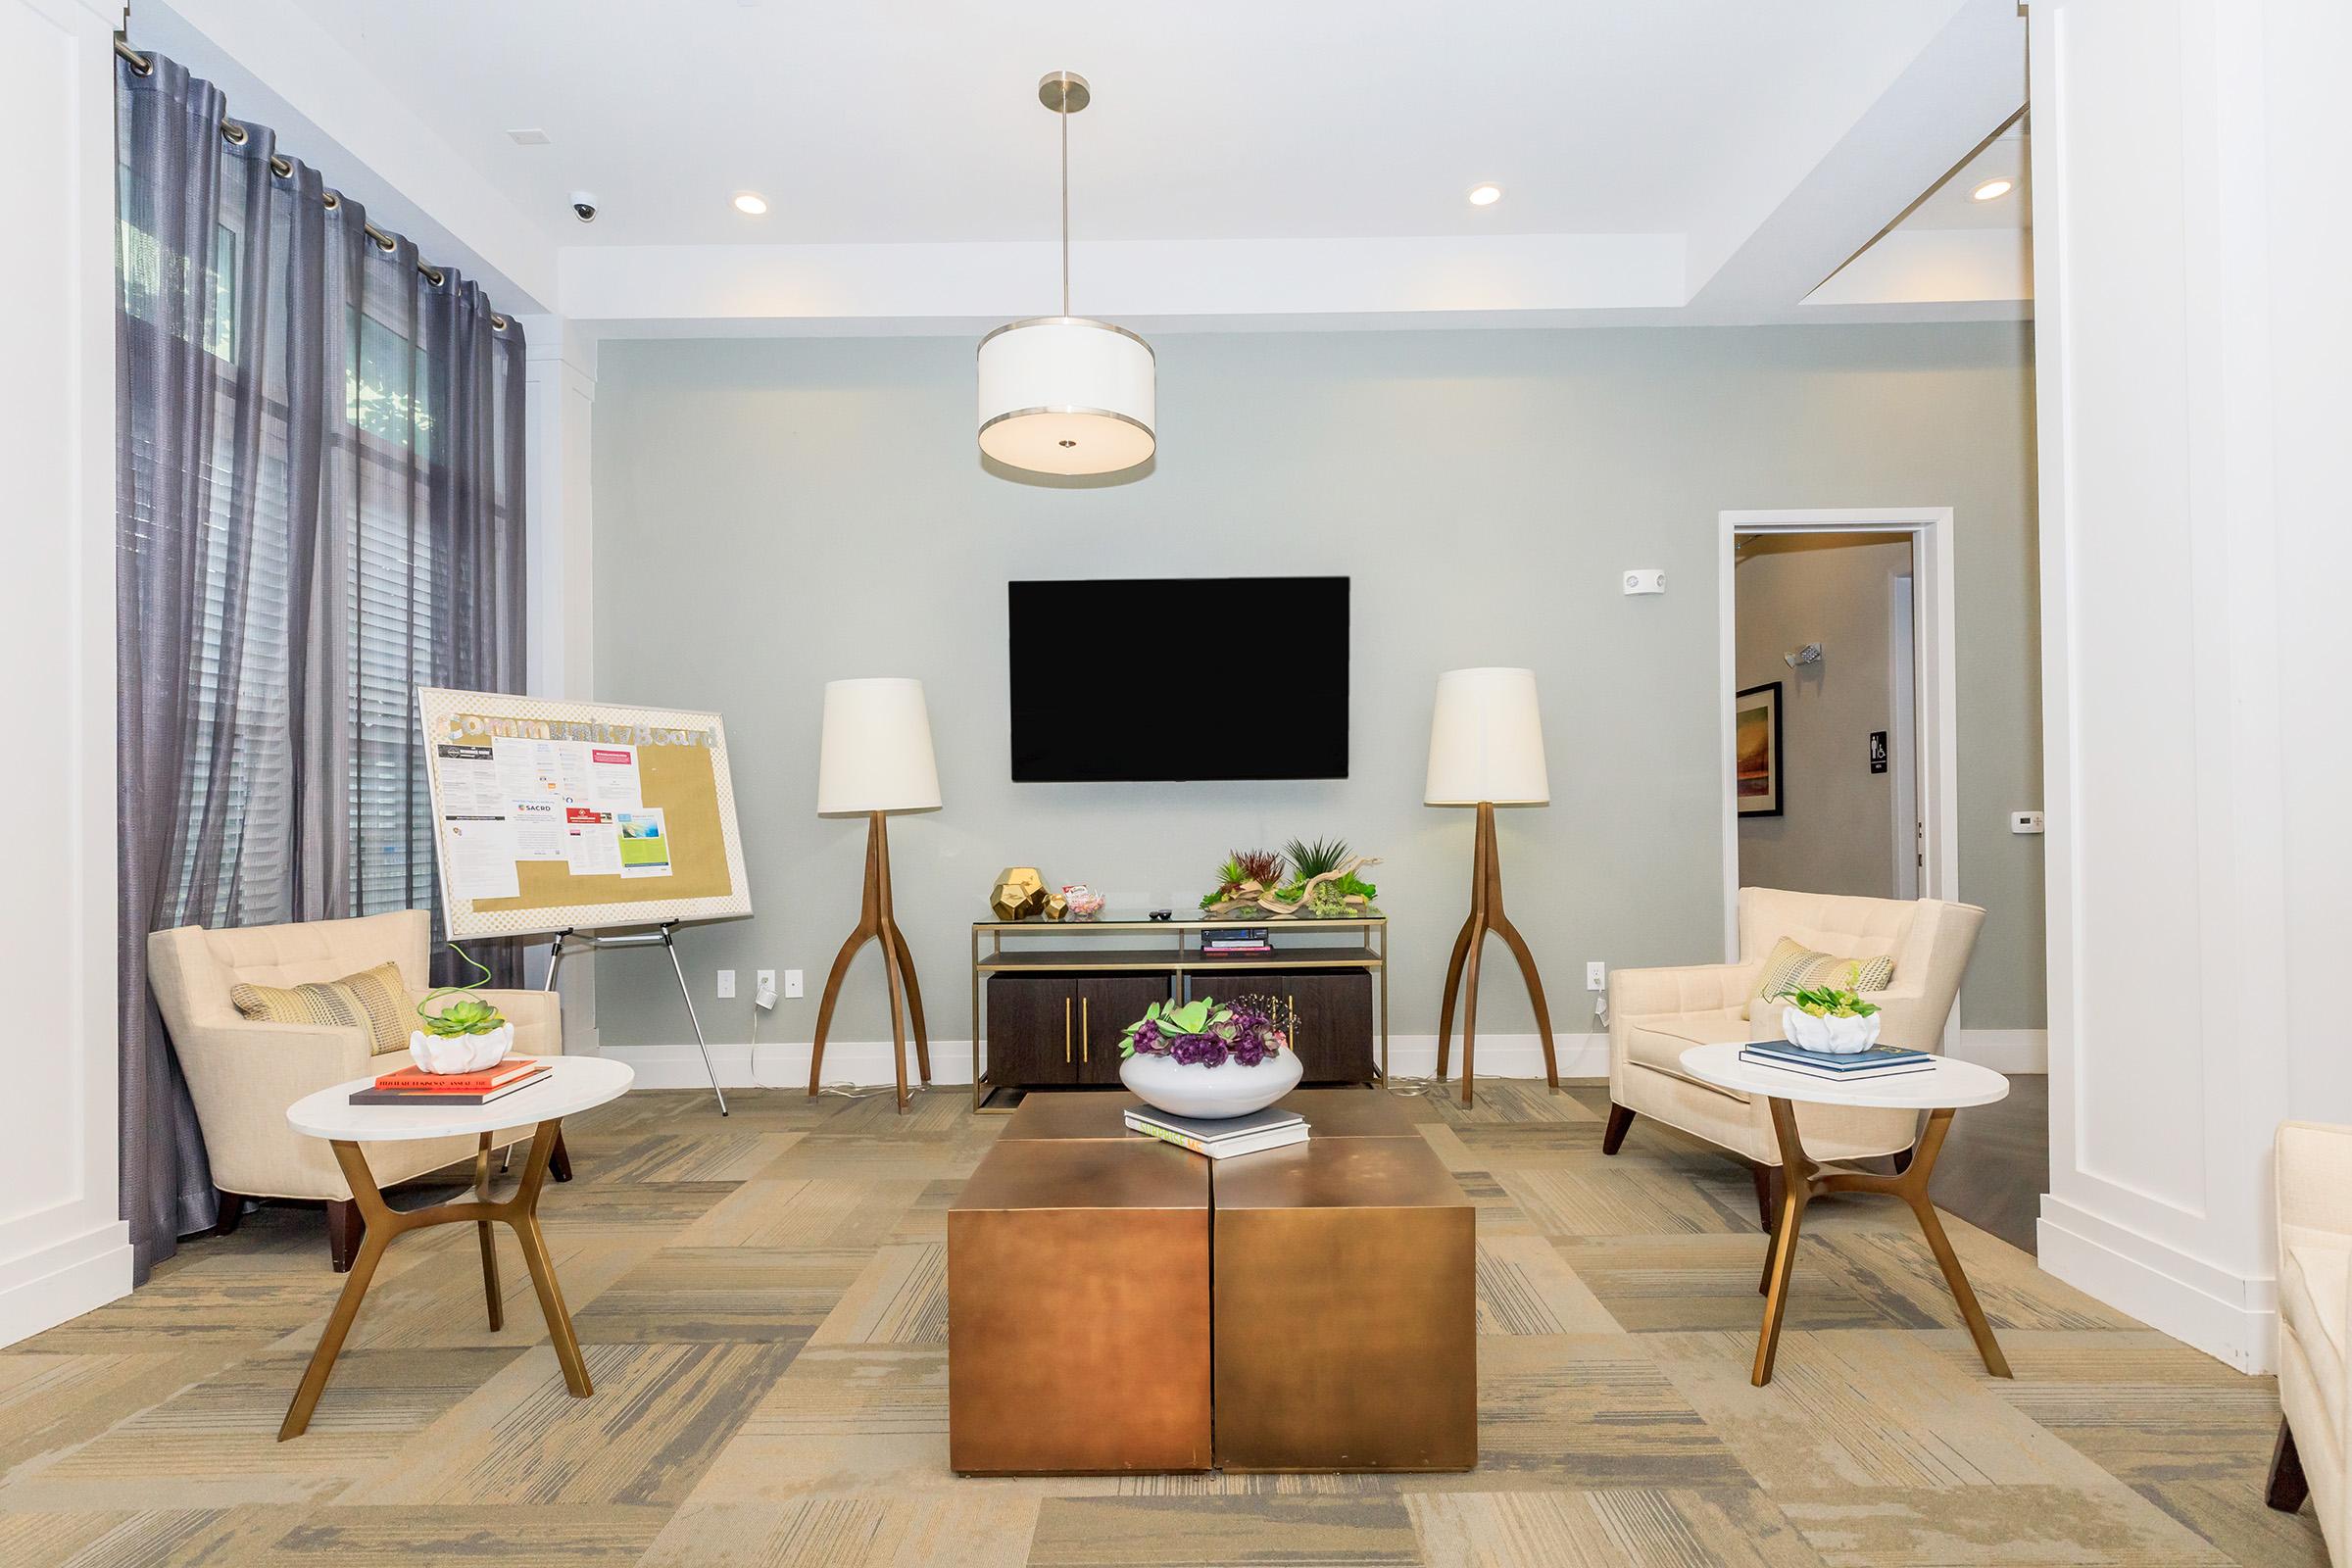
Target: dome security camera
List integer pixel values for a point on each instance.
(584, 207)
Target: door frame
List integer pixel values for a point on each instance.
(1935, 668)
(1902, 676)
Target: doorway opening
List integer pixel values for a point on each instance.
(1837, 711)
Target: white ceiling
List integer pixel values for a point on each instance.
(1274, 158)
(916, 121)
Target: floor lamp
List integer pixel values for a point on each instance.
(1486, 749)
(875, 758)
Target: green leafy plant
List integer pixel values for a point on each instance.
(1827, 1002)
(1241, 868)
(468, 1015)
(1311, 860)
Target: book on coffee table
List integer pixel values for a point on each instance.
(1224, 1136)
(1878, 1061)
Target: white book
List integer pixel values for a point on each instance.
(1225, 1147)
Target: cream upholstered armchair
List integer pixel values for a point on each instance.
(1657, 1014)
(2315, 1257)
(243, 1074)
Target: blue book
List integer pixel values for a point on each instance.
(1877, 1061)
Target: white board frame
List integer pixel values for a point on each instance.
(436, 710)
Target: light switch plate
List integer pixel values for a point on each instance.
(726, 984)
(1645, 581)
(2025, 821)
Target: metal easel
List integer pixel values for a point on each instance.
(660, 939)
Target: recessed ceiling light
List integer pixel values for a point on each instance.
(1993, 190)
(1484, 195)
(751, 202)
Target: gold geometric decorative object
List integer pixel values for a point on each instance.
(1057, 907)
(1019, 893)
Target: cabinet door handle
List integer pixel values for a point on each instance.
(1065, 1030)
(1086, 1033)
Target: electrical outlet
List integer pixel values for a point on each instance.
(768, 980)
(1597, 976)
(791, 982)
(726, 984)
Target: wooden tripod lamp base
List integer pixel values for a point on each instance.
(876, 923)
(1461, 970)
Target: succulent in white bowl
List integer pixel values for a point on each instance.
(467, 1036)
(1210, 1059)
(1829, 1019)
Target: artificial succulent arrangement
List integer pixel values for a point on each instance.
(1312, 881)
(1829, 1001)
(468, 1015)
(1208, 1033)
(1247, 874)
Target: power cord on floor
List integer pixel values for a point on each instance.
(766, 1000)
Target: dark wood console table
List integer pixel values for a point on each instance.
(1070, 987)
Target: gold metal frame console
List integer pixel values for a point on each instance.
(1177, 958)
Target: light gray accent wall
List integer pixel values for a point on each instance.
(772, 514)
(1836, 831)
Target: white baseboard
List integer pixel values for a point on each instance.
(2006, 1050)
(785, 1064)
(65, 1280)
(2232, 1319)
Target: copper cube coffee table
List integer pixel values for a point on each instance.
(1342, 1315)
(1078, 1310)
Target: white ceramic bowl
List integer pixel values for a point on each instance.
(1838, 1037)
(453, 1053)
(1187, 1088)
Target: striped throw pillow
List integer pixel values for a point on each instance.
(374, 1001)
(1793, 966)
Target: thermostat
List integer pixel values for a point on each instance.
(1645, 581)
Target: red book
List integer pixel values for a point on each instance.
(418, 1081)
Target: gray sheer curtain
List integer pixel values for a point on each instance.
(320, 507)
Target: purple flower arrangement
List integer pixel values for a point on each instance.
(1208, 1033)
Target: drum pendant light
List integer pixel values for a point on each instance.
(1063, 394)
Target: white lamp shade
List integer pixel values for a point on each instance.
(1485, 739)
(1061, 394)
(876, 751)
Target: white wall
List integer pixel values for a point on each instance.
(790, 510)
(64, 1248)
(2189, 166)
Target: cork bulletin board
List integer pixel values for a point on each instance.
(555, 815)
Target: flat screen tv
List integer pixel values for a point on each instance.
(1116, 680)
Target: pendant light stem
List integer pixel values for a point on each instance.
(1064, 118)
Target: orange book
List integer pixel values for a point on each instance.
(418, 1080)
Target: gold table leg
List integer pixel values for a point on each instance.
(519, 1211)
(1804, 1180)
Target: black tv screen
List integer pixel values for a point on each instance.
(1179, 679)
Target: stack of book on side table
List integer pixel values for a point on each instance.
(414, 1086)
(1232, 1135)
(1241, 941)
(1878, 1061)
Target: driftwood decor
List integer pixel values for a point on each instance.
(1336, 894)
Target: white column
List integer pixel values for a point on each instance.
(2192, 344)
(64, 1248)
(559, 408)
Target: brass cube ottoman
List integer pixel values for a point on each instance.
(1346, 1310)
(1078, 1318)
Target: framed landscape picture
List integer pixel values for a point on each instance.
(1756, 749)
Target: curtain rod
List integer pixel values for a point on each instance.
(234, 134)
